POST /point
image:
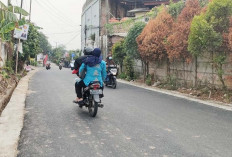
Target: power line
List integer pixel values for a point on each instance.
(51, 11)
(72, 39)
(51, 14)
(62, 33)
(55, 20)
(59, 11)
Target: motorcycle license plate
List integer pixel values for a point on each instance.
(94, 92)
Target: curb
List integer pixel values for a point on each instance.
(216, 104)
(11, 120)
(6, 98)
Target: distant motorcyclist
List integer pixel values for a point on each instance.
(109, 60)
(60, 65)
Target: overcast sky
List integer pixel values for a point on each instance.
(60, 20)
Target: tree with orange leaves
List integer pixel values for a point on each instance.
(153, 40)
(177, 47)
(230, 36)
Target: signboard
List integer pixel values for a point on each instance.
(40, 57)
(21, 32)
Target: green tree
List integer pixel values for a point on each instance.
(209, 32)
(203, 3)
(57, 53)
(202, 37)
(31, 46)
(128, 63)
(44, 43)
(175, 9)
(119, 53)
(131, 46)
(9, 20)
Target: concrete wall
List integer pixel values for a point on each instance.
(90, 24)
(185, 72)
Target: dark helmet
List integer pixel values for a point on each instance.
(88, 51)
(97, 52)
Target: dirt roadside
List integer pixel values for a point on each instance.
(11, 119)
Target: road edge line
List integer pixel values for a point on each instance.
(220, 105)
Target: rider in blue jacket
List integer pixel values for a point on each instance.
(95, 71)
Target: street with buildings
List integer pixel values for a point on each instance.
(172, 61)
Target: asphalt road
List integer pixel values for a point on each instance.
(134, 122)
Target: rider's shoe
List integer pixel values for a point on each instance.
(79, 102)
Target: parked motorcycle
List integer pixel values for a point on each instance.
(60, 67)
(111, 78)
(92, 97)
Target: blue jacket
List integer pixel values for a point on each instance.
(96, 73)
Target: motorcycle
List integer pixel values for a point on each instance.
(48, 66)
(92, 97)
(111, 77)
(60, 67)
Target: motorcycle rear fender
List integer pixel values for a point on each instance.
(96, 98)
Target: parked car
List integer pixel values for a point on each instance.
(72, 64)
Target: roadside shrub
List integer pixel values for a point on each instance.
(128, 63)
(4, 74)
(9, 67)
(34, 63)
(122, 76)
(172, 82)
(148, 80)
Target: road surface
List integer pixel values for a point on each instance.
(134, 122)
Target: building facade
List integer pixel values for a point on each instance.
(97, 13)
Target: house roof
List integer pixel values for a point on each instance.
(136, 10)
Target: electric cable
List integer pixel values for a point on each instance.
(54, 14)
(55, 20)
(59, 11)
(63, 32)
(72, 39)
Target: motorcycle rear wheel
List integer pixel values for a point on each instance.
(114, 83)
(93, 108)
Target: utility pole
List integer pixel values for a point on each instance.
(21, 7)
(56, 47)
(107, 21)
(9, 2)
(85, 34)
(17, 52)
(30, 11)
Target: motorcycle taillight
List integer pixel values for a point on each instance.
(95, 86)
